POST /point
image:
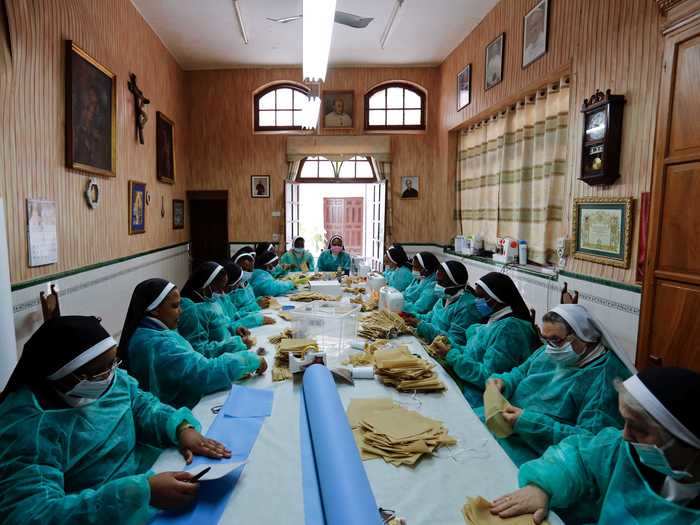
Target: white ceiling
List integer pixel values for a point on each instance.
(203, 34)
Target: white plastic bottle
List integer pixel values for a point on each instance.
(522, 253)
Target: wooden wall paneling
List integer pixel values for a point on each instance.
(603, 44)
(32, 116)
(225, 151)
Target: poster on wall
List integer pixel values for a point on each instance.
(137, 207)
(165, 152)
(41, 232)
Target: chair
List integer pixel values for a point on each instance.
(49, 303)
(566, 297)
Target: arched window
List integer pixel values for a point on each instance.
(395, 106)
(320, 168)
(279, 107)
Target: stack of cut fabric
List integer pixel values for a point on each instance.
(366, 306)
(349, 280)
(286, 345)
(399, 436)
(307, 297)
(383, 325)
(399, 368)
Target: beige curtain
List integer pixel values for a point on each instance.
(511, 171)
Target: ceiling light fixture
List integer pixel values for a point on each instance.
(390, 23)
(318, 20)
(239, 17)
(312, 107)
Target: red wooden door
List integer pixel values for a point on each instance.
(344, 216)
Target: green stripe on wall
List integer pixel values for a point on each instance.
(82, 269)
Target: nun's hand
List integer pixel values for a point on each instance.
(249, 342)
(411, 321)
(172, 490)
(242, 331)
(497, 383)
(511, 414)
(528, 500)
(263, 366)
(440, 348)
(194, 443)
(268, 320)
(264, 302)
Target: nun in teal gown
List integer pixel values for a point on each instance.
(505, 340)
(420, 296)
(397, 268)
(163, 362)
(243, 297)
(335, 258)
(647, 475)
(564, 388)
(262, 281)
(239, 318)
(454, 311)
(297, 259)
(75, 456)
(263, 248)
(203, 321)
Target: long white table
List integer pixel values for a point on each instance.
(432, 492)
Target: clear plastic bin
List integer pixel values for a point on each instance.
(332, 325)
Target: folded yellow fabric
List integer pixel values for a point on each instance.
(494, 405)
(477, 511)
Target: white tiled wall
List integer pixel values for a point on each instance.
(617, 309)
(104, 292)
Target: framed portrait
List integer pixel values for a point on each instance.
(260, 186)
(464, 87)
(91, 106)
(495, 53)
(137, 207)
(178, 214)
(165, 149)
(409, 187)
(337, 108)
(535, 32)
(41, 232)
(602, 229)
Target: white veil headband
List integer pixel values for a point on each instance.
(589, 329)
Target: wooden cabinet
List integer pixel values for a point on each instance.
(669, 332)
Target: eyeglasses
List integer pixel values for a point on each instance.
(558, 342)
(102, 375)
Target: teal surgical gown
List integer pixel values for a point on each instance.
(399, 278)
(327, 262)
(450, 320)
(294, 260)
(166, 365)
(206, 327)
(278, 272)
(237, 318)
(244, 300)
(558, 402)
(491, 348)
(596, 479)
(420, 297)
(81, 465)
(265, 285)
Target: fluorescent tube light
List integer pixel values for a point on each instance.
(390, 23)
(318, 20)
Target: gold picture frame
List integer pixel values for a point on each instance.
(602, 230)
(165, 149)
(138, 199)
(91, 113)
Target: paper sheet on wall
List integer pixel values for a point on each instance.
(41, 232)
(494, 405)
(8, 349)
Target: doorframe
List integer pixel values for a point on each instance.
(210, 195)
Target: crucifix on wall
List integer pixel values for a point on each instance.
(140, 102)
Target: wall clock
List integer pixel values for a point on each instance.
(602, 138)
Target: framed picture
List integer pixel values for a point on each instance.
(495, 52)
(41, 232)
(535, 30)
(464, 87)
(260, 186)
(137, 207)
(409, 187)
(178, 214)
(165, 149)
(91, 107)
(602, 229)
(338, 109)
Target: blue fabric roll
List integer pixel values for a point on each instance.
(342, 481)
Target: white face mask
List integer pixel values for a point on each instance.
(655, 458)
(299, 251)
(564, 356)
(246, 276)
(86, 391)
(417, 275)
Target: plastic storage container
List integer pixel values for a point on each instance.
(332, 325)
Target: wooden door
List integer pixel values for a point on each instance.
(208, 226)
(670, 319)
(344, 216)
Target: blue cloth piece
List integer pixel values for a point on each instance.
(313, 508)
(342, 481)
(238, 434)
(248, 402)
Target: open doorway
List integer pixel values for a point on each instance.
(337, 198)
(208, 226)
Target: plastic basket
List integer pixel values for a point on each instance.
(332, 325)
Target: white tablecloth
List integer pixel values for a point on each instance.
(433, 492)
